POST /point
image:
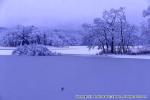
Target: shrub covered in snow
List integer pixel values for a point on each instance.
(141, 51)
(27, 35)
(33, 50)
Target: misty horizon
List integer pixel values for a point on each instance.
(64, 13)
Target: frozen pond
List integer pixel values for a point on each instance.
(41, 78)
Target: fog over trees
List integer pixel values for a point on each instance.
(111, 32)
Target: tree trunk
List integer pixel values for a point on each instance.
(112, 45)
(122, 40)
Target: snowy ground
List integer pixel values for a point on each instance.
(77, 50)
(6, 50)
(130, 56)
(41, 78)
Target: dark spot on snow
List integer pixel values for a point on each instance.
(62, 88)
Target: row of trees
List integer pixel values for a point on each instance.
(145, 27)
(22, 35)
(112, 33)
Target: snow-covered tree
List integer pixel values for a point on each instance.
(146, 12)
(26, 35)
(111, 33)
(145, 27)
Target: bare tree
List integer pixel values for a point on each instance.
(112, 33)
(145, 27)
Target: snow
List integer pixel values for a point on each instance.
(77, 50)
(130, 56)
(42, 78)
(6, 52)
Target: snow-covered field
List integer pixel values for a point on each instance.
(77, 50)
(42, 78)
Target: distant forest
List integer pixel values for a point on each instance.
(111, 32)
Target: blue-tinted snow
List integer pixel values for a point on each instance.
(42, 78)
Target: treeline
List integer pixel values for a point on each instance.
(26, 35)
(112, 33)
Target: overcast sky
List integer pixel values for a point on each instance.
(62, 13)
